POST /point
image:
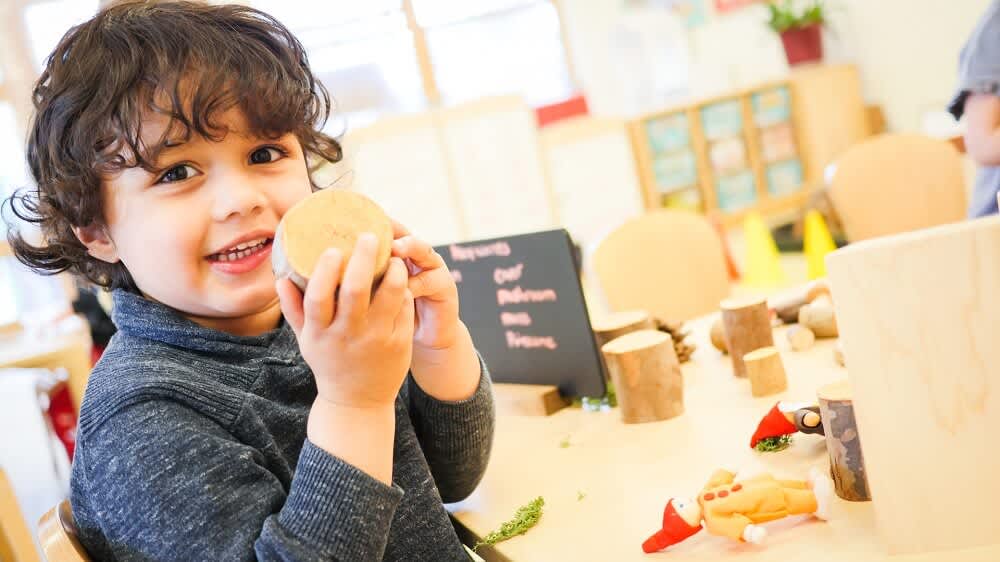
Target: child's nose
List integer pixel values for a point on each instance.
(236, 194)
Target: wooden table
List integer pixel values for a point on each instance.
(66, 345)
(627, 473)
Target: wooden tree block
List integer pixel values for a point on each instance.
(528, 399)
(766, 372)
(847, 463)
(800, 338)
(787, 308)
(647, 376)
(617, 324)
(919, 315)
(748, 327)
(329, 218)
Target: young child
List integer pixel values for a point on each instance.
(224, 423)
(978, 97)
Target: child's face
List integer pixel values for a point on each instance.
(176, 229)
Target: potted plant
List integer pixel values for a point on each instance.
(801, 32)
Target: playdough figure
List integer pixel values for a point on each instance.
(737, 509)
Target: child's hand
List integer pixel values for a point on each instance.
(434, 291)
(360, 347)
(445, 363)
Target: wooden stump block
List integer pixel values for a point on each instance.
(617, 324)
(766, 372)
(800, 338)
(847, 463)
(647, 376)
(787, 308)
(748, 328)
(718, 335)
(329, 218)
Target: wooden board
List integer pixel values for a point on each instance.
(919, 315)
(493, 150)
(591, 199)
(15, 538)
(527, 399)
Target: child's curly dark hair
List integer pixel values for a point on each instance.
(188, 61)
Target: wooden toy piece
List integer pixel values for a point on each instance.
(843, 442)
(718, 335)
(747, 328)
(766, 372)
(328, 218)
(738, 510)
(787, 308)
(838, 354)
(800, 337)
(647, 376)
(617, 324)
(819, 317)
(528, 399)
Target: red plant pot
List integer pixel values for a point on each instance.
(803, 44)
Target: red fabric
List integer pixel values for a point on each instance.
(63, 417)
(774, 424)
(675, 529)
(95, 353)
(548, 114)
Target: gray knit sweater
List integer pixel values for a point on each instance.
(192, 446)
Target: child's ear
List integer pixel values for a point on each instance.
(98, 242)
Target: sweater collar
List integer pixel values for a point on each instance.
(140, 317)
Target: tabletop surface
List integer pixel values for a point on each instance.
(605, 483)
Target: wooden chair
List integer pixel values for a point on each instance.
(897, 183)
(667, 262)
(15, 537)
(57, 535)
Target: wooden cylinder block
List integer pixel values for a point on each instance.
(617, 324)
(919, 315)
(748, 328)
(647, 376)
(766, 372)
(328, 218)
(847, 463)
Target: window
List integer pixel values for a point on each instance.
(48, 21)
(488, 47)
(362, 52)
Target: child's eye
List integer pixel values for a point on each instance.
(178, 173)
(266, 154)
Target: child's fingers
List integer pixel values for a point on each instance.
(432, 282)
(318, 302)
(291, 304)
(356, 289)
(419, 252)
(398, 230)
(385, 303)
(404, 326)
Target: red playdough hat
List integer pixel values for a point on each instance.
(675, 529)
(774, 424)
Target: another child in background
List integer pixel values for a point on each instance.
(978, 98)
(224, 423)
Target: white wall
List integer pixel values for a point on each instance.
(907, 51)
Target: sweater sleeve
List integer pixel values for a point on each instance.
(456, 437)
(168, 484)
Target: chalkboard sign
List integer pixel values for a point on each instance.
(521, 299)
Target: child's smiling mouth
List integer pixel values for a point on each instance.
(242, 257)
